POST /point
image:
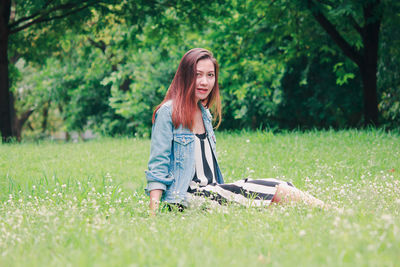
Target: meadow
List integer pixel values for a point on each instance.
(83, 204)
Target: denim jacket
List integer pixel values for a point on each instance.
(171, 165)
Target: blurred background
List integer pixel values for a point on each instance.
(89, 68)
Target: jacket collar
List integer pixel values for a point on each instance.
(205, 112)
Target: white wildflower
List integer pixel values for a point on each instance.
(387, 218)
(302, 233)
(336, 221)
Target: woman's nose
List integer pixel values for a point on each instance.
(203, 80)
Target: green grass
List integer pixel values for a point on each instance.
(83, 204)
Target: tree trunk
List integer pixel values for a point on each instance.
(5, 108)
(18, 123)
(369, 66)
(45, 117)
(368, 76)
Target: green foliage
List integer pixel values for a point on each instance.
(279, 68)
(148, 75)
(389, 67)
(318, 102)
(250, 76)
(37, 26)
(39, 90)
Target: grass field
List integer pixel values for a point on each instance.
(83, 204)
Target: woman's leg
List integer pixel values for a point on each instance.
(286, 194)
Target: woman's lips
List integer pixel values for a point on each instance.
(202, 90)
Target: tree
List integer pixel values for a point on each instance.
(109, 72)
(15, 17)
(43, 18)
(365, 17)
(5, 108)
(279, 68)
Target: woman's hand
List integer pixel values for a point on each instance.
(155, 196)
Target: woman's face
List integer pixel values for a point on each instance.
(205, 79)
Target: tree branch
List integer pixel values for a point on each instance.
(42, 13)
(39, 17)
(101, 45)
(24, 116)
(356, 25)
(65, 14)
(15, 23)
(347, 49)
(14, 58)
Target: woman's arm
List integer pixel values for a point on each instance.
(155, 196)
(158, 176)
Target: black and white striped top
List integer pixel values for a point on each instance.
(205, 163)
(247, 192)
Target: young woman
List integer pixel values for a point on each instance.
(183, 164)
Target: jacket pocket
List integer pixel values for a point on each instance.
(182, 146)
(183, 139)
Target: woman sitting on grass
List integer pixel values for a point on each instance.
(183, 166)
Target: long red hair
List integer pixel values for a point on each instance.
(183, 88)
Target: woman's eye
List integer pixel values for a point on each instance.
(211, 75)
(198, 74)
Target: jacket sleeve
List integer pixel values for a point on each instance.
(158, 173)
